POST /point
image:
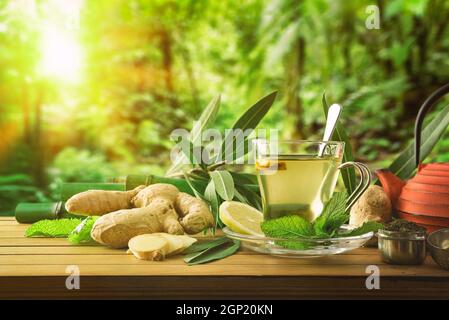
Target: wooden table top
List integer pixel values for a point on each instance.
(36, 267)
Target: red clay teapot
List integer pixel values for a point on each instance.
(424, 199)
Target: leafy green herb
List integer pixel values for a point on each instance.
(222, 185)
(212, 250)
(289, 227)
(297, 230)
(292, 226)
(333, 216)
(81, 234)
(206, 119)
(60, 228)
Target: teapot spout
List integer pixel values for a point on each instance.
(392, 185)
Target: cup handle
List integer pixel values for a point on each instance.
(365, 181)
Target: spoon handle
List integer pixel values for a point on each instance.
(332, 118)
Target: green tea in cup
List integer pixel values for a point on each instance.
(297, 177)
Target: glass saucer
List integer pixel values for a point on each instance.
(300, 247)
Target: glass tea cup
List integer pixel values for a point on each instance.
(299, 177)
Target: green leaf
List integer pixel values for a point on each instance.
(215, 253)
(207, 118)
(404, 165)
(241, 178)
(370, 226)
(249, 120)
(254, 199)
(52, 228)
(193, 154)
(295, 244)
(348, 174)
(240, 197)
(203, 245)
(211, 196)
(224, 184)
(196, 192)
(289, 227)
(333, 216)
(81, 234)
(292, 226)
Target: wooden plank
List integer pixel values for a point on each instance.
(215, 268)
(214, 287)
(238, 259)
(12, 234)
(100, 250)
(10, 222)
(55, 250)
(32, 242)
(54, 242)
(8, 228)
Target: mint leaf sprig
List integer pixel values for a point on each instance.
(327, 225)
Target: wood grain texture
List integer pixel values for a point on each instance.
(36, 268)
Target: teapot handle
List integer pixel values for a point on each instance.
(430, 101)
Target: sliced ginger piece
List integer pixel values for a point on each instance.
(176, 243)
(149, 247)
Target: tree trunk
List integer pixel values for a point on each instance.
(167, 62)
(294, 72)
(38, 148)
(191, 76)
(26, 114)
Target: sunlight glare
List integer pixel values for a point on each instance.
(62, 55)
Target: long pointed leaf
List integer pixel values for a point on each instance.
(215, 253)
(248, 121)
(204, 245)
(196, 192)
(244, 178)
(404, 165)
(254, 199)
(224, 184)
(340, 134)
(207, 117)
(211, 196)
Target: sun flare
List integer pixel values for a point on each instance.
(62, 55)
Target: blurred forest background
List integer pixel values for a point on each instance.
(91, 89)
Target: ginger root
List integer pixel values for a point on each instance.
(157, 246)
(156, 208)
(100, 202)
(373, 205)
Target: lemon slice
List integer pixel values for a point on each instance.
(241, 218)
